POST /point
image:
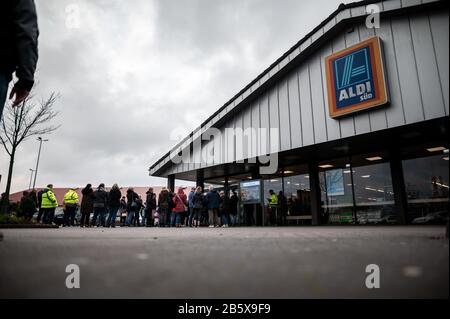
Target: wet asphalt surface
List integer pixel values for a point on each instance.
(247, 262)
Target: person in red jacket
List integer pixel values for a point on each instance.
(180, 203)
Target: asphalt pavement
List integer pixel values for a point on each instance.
(248, 262)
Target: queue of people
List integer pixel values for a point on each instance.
(99, 207)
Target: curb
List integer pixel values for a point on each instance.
(31, 226)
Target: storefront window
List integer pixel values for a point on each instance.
(273, 212)
(427, 189)
(337, 193)
(296, 189)
(374, 195)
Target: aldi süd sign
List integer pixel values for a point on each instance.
(355, 78)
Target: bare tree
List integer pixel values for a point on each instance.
(22, 122)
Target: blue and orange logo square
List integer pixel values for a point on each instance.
(355, 78)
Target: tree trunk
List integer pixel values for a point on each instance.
(5, 205)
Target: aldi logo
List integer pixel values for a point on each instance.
(355, 78)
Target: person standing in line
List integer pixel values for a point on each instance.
(213, 204)
(48, 205)
(191, 206)
(137, 212)
(180, 201)
(19, 34)
(163, 204)
(234, 201)
(113, 205)
(198, 206)
(87, 205)
(100, 204)
(27, 206)
(39, 202)
(273, 207)
(171, 207)
(70, 204)
(223, 209)
(132, 206)
(123, 210)
(150, 206)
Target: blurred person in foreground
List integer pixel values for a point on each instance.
(18, 49)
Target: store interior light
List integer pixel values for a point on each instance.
(288, 172)
(436, 149)
(326, 166)
(445, 158)
(374, 158)
(347, 165)
(365, 176)
(446, 151)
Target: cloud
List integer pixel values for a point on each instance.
(135, 70)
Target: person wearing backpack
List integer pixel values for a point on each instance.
(163, 204)
(132, 206)
(180, 207)
(100, 205)
(197, 206)
(87, 205)
(150, 207)
(213, 204)
(113, 205)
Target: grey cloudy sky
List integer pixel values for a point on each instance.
(134, 70)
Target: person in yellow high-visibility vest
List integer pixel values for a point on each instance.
(48, 204)
(273, 205)
(70, 207)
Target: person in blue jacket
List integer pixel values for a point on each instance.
(213, 203)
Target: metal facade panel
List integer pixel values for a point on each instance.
(407, 70)
(392, 5)
(247, 125)
(274, 118)
(440, 30)
(239, 146)
(346, 123)
(430, 86)
(362, 120)
(265, 124)
(394, 112)
(285, 125)
(294, 109)
(377, 117)
(317, 96)
(333, 127)
(305, 106)
(255, 125)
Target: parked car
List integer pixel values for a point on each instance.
(440, 217)
(388, 219)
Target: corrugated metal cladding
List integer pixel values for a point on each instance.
(416, 56)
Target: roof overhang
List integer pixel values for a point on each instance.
(344, 15)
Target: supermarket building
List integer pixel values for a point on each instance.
(354, 117)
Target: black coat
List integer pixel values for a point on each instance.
(87, 202)
(234, 200)
(114, 197)
(151, 201)
(100, 198)
(19, 40)
(131, 197)
(198, 201)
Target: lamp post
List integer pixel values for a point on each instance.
(37, 162)
(31, 177)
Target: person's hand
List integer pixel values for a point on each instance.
(21, 95)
